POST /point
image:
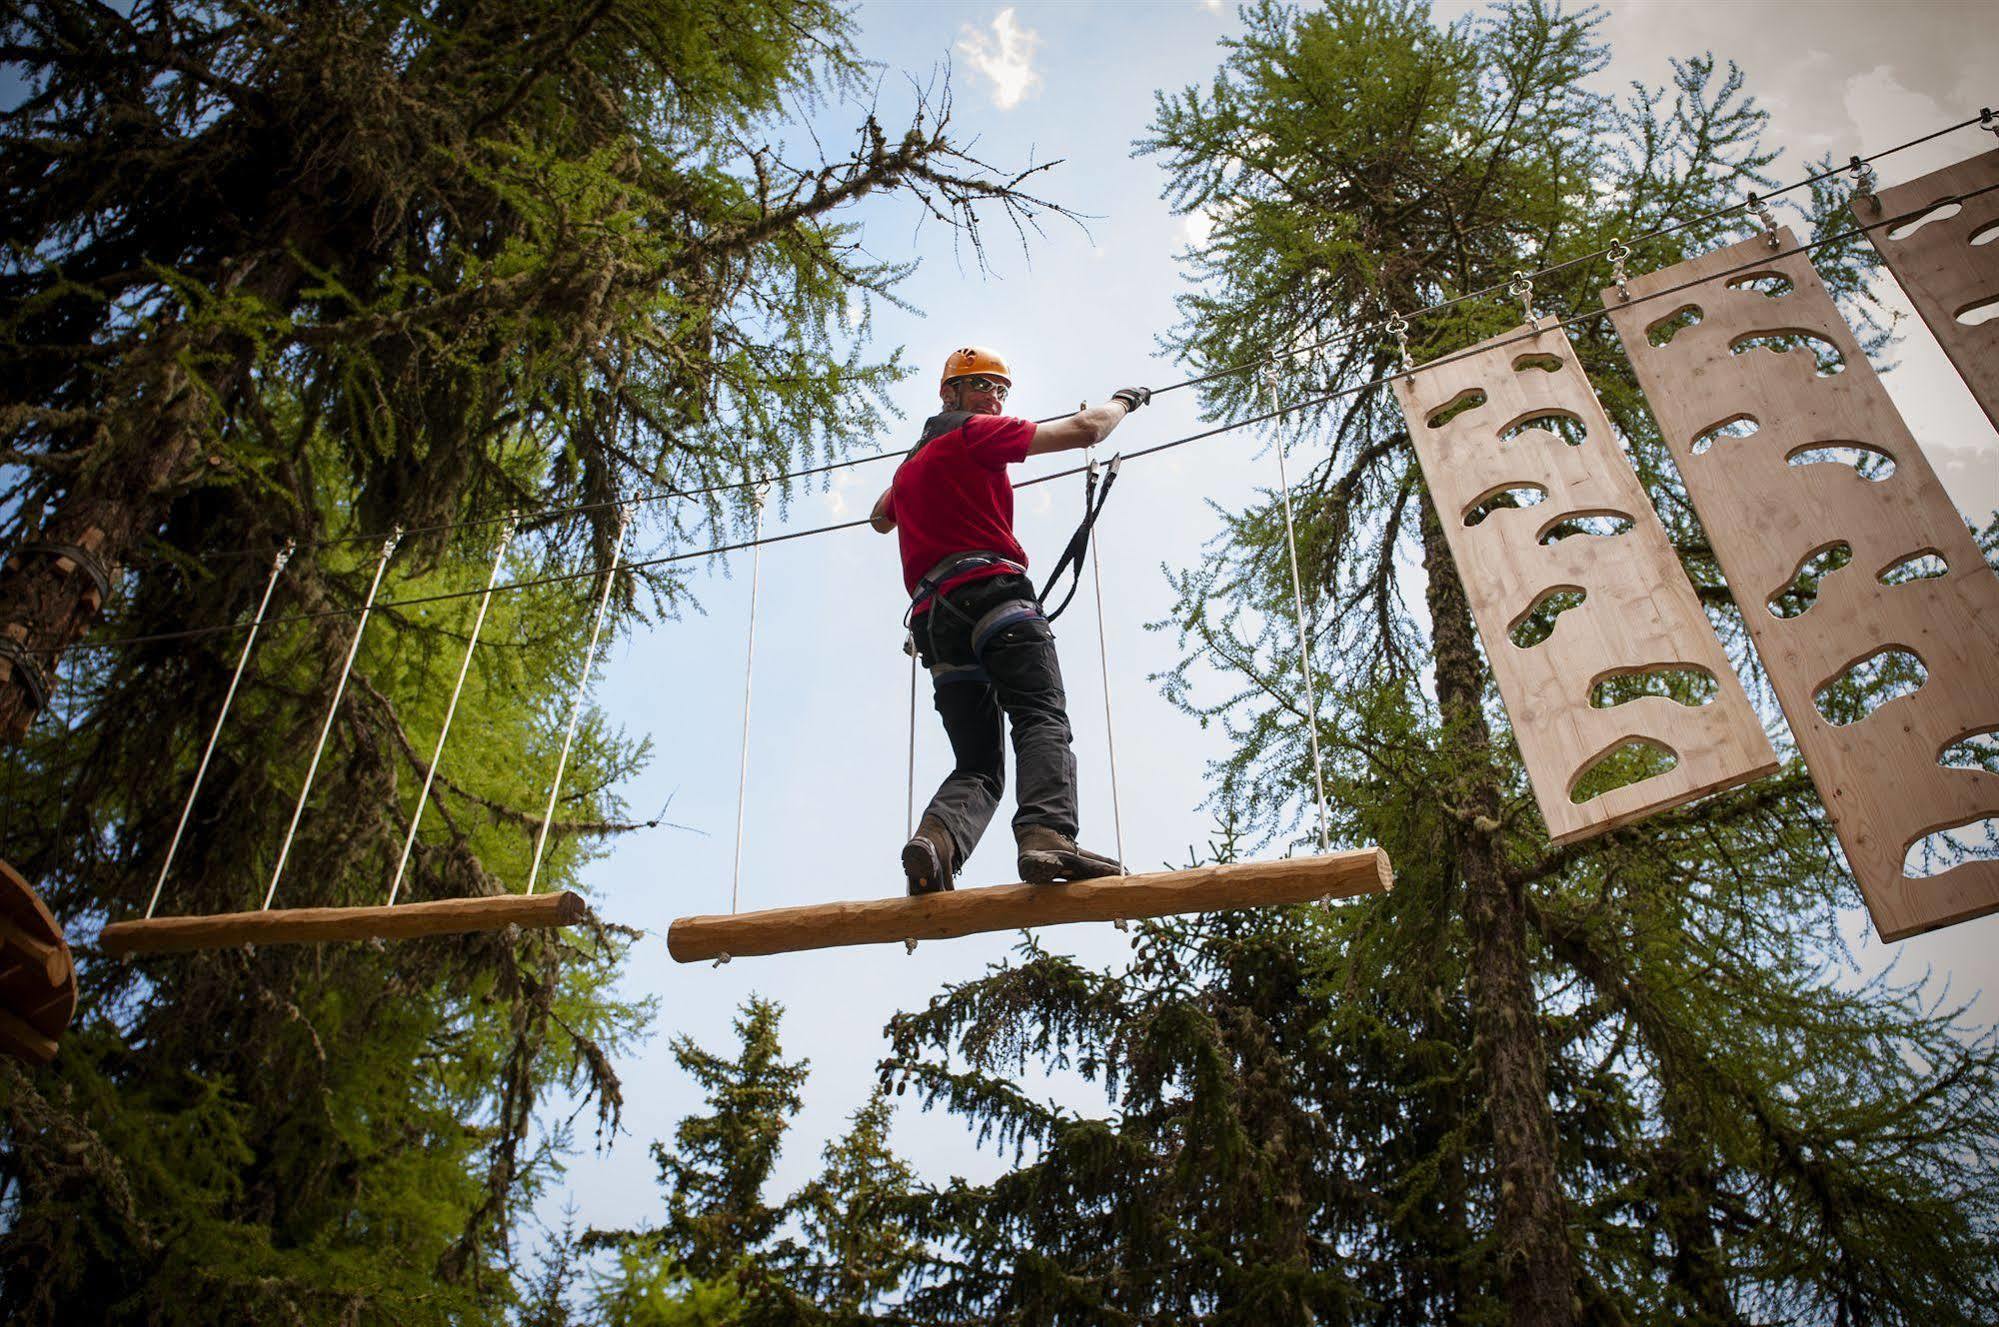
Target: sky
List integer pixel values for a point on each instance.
(825, 788)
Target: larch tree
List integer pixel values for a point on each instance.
(1633, 1079)
(279, 272)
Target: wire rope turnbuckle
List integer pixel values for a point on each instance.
(1761, 207)
(1620, 253)
(1521, 287)
(1863, 183)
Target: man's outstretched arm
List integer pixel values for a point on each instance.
(1088, 426)
(879, 518)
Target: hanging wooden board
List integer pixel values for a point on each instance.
(37, 978)
(1015, 907)
(1929, 245)
(403, 921)
(1515, 414)
(1786, 464)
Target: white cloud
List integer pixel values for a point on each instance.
(1006, 57)
(1212, 6)
(1196, 226)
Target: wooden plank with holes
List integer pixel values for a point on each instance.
(1014, 907)
(1948, 261)
(1516, 414)
(1793, 453)
(37, 977)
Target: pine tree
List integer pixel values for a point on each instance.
(1625, 1080)
(282, 271)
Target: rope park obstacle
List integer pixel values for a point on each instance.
(1479, 419)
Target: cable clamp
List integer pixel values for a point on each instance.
(26, 671)
(1619, 253)
(1761, 207)
(1987, 120)
(1522, 289)
(1863, 183)
(909, 946)
(722, 958)
(1398, 327)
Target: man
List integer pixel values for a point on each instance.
(979, 628)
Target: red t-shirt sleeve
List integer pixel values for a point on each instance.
(997, 441)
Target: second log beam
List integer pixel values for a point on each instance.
(405, 921)
(1014, 907)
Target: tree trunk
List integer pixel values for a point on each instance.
(153, 442)
(1537, 1272)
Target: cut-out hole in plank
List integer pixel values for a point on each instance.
(1986, 233)
(1826, 359)
(1629, 762)
(1924, 566)
(1735, 426)
(1869, 462)
(1545, 363)
(1662, 332)
(1865, 686)
(1689, 684)
(1538, 622)
(1471, 398)
(1601, 524)
(1972, 751)
(1907, 228)
(1797, 595)
(1515, 495)
(1773, 284)
(1564, 424)
(1974, 840)
(1980, 312)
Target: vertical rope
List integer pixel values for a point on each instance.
(228, 699)
(1298, 609)
(749, 675)
(576, 701)
(464, 666)
(909, 797)
(1104, 666)
(325, 729)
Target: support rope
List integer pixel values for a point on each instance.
(228, 699)
(325, 729)
(909, 797)
(576, 701)
(1104, 666)
(457, 688)
(1298, 609)
(749, 674)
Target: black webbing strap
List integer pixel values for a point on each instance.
(1071, 561)
(26, 671)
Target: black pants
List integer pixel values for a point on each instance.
(1015, 675)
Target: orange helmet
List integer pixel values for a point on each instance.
(967, 360)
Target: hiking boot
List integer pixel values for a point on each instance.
(1048, 858)
(927, 858)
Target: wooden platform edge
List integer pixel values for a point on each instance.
(1014, 907)
(405, 921)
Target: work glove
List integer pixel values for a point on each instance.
(1133, 397)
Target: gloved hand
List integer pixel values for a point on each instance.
(1132, 397)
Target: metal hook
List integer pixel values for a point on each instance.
(1398, 327)
(1619, 253)
(1523, 289)
(1761, 208)
(1863, 183)
(721, 958)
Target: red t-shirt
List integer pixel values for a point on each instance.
(953, 496)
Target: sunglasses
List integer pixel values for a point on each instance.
(993, 385)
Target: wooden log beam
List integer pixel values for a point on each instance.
(1014, 907)
(24, 1040)
(405, 921)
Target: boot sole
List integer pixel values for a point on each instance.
(1061, 868)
